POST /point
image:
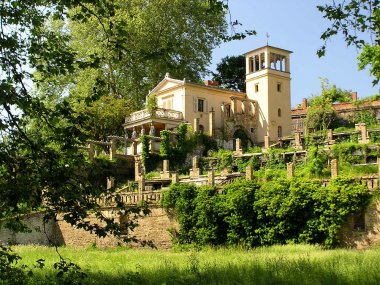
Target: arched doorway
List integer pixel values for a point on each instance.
(241, 134)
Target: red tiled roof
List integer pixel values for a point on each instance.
(343, 107)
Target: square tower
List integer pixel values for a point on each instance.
(268, 83)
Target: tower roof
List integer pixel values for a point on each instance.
(270, 47)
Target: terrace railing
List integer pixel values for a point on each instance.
(158, 113)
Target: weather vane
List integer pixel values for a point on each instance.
(267, 35)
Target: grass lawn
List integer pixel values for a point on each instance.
(299, 264)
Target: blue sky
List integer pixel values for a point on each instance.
(296, 25)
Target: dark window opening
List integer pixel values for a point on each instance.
(279, 131)
(201, 104)
(228, 110)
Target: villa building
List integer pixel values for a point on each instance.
(264, 110)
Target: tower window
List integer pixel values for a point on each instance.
(278, 87)
(279, 112)
(256, 87)
(279, 132)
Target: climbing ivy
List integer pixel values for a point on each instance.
(256, 213)
(165, 148)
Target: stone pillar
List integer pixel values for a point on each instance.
(297, 141)
(113, 149)
(211, 123)
(195, 161)
(91, 151)
(362, 128)
(195, 171)
(224, 172)
(110, 182)
(165, 173)
(290, 170)
(165, 165)
(330, 136)
(376, 184)
(137, 169)
(266, 142)
(334, 168)
(141, 187)
(249, 172)
(134, 147)
(233, 106)
(211, 177)
(175, 177)
(238, 148)
(196, 125)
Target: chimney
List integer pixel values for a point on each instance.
(211, 83)
(304, 104)
(354, 96)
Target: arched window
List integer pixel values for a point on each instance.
(201, 128)
(279, 131)
(279, 112)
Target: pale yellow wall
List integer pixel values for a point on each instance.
(261, 97)
(177, 96)
(215, 98)
(279, 100)
(183, 96)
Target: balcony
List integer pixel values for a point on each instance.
(159, 113)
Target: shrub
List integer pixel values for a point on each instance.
(253, 213)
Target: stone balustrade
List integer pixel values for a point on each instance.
(158, 113)
(132, 198)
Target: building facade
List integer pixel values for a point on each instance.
(263, 111)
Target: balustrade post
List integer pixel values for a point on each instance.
(334, 168)
(238, 148)
(297, 141)
(91, 151)
(112, 148)
(266, 142)
(211, 177)
(249, 172)
(290, 170)
(362, 128)
(165, 173)
(175, 178)
(195, 171)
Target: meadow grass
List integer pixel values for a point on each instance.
(291, 264)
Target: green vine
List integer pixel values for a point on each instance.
(165, 148)
(152, 104)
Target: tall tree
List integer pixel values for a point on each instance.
(359, 23)
(40, 157)
(154, 37)
(231, 73)
(320, 113)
